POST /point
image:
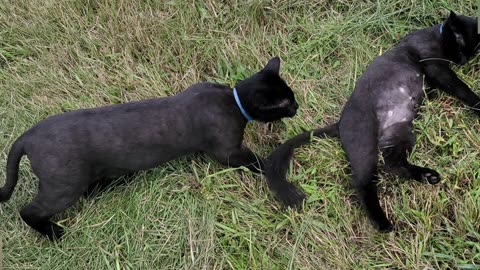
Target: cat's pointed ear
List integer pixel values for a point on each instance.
(452, 15)
(451, 20)
(454, 25)
(273, 65)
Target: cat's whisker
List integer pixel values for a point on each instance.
(436, 59)
(477, 47)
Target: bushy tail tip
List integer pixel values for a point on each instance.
(278, 162)
(14, 156)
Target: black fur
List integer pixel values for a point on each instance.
(72, 151)
(379, 114)
(278, 162)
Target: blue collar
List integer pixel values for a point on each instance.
(441, 28)
(239, 104)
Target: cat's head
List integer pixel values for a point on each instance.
(460, 37)
(265, 95)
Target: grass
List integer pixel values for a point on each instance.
(192, 213)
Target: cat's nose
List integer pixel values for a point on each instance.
(293, 109)
(295, 105)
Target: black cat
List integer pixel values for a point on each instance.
(379, 114)
(71, 151)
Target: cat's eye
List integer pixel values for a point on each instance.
(284, 103)
(460, 40)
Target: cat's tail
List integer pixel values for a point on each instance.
(278, 162)
(16, 153)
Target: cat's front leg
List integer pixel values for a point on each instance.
(442, 77)
(241, 156)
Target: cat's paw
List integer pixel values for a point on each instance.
(430, 176)
(383, 225)
(291, 196)
(422, 174)
(55, 233)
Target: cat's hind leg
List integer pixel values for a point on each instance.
(54, 196)
(359, 140)
(395, 144)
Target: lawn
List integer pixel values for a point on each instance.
(193, 213)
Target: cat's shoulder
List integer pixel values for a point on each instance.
(204, 91)
(208, 86)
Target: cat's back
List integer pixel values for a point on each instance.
(206, 90)
(197, 97)
(99, 113)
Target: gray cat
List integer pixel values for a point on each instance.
(70, 152)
